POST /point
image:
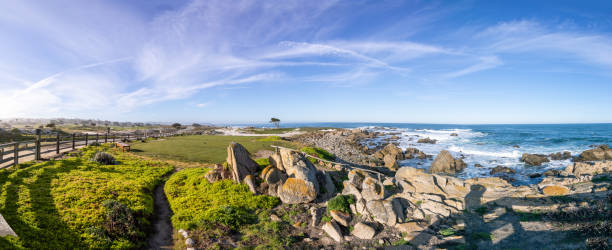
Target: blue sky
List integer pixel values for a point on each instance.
(308, 61)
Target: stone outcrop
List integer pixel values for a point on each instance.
(534, 159)
(560, 156)
(427, 140)
(390, 162)
(341, 217)
(302, 185)
(333, 230)
(600, 153)
(445, 163)
(585, 168)
(502, 169)
(240, 162)
(412, 153)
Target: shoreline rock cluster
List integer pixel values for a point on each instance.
(409, 201)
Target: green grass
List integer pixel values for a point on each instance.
(270, 138)
(209, 149)
(59, 204)
(268, 130)
(205, 207)
(263, 162)
(318, 152)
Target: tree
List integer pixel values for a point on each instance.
(176, 125)
(275, 121)
(50, 125)
(196, 125)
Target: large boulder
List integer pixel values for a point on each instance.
(333, 230)
(240, 162)
(445, 163)
(534, 159)
(295, 191)
(602, 152)
(363, 231)
(372, 189)
(393, 150)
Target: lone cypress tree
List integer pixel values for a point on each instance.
(275, 121)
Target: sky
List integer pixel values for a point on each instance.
(307, 61)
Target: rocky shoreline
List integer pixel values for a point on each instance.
(391, 205)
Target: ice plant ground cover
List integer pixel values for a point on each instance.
(64, 204)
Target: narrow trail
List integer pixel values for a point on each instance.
(161, 238)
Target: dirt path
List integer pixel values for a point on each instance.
(161, 238)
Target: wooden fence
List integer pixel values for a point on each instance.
(22, 151)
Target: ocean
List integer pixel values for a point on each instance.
(491, 145)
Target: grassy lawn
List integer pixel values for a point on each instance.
(215, 212)
(203, 148)
(61, 204)
(281, 130)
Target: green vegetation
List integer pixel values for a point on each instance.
(481, 210)
(341, 203)
(523, 216)
(400, 242)
(481, 236)
(318, 152)
(263, 162)
(448, 232)
(64, 204)
(209, 149)
(217, 208)
(603, 178)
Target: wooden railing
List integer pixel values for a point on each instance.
(15, 152)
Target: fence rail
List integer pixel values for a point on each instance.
(22, 151)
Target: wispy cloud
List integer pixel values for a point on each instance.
(120, 58)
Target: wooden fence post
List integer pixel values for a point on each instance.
(16, 154)
(57, 144)
(1, 153)
(86, 138)
(73, 142)
(38, 144)
(97, 137)
(106, 136)
(114, 138)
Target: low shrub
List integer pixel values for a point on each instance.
(263, 162)
(94, 144)
(120, 221)
(341, 203)
(104, 158)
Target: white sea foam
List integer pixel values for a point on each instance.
(512, 154)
